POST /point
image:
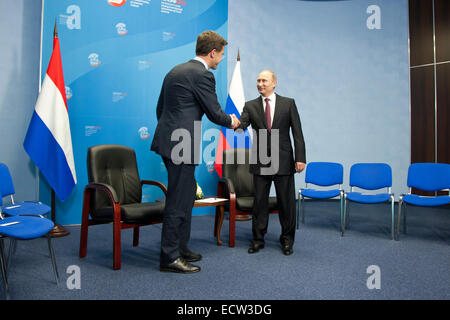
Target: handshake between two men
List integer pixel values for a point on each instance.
(236, 123)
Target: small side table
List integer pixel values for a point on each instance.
(219, 203)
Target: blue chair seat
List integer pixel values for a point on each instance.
(320, 194)
(426, 201)
(368, 198)
(26, 208)
(25, 228)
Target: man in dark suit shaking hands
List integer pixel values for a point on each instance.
(274, 116)
(188, 92)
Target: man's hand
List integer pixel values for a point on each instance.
(300, 166)
(236, 122)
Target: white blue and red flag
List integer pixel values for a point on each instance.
(235, 104)
(48, 141)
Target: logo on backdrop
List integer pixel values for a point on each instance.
(166, 36)
(210, 166)
(121, 28)
(173, 6)
(117, 3)
(143, 133)
(90, 130)
(143, 64)
(94, 59)
(139, 3)
(117, 96)
(68, 93)
(72, 19)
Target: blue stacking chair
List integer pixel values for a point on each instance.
(324, 174)
(370, 176)
(23, 228)
(22, 208)
(25, 222)
(427, 177)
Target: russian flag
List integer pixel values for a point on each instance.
(235, 104)
(48, 141)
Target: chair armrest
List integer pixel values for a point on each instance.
(161, 185)
(229, 184)
(109, 190)
(231, 192)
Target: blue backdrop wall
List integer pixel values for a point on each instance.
(115, 55)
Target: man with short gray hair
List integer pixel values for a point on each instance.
(272, 115)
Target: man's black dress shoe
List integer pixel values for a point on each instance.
(255, 248)
(180, 266)
(287, 249)
(190, 256)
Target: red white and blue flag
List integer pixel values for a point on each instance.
(235, 105)
(48, 141)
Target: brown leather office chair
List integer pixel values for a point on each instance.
(236, 185)
(114, 194)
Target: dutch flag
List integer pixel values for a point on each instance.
(235, 105)
(48, 141)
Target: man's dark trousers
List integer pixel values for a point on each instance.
(180, 199)
(284, 188)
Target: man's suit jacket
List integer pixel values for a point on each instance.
(285, 118)
(187, 93)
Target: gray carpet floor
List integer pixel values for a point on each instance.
(324, 264)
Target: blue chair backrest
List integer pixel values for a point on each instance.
(371, 176)
(429, 176)
(324, 173)
(6, 184)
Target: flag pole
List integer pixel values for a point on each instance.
(241, 217)
(58, 230)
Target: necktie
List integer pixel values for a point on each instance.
(268, 117)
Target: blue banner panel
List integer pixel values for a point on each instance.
(115, 54)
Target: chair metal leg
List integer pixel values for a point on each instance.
(400, 204)
(11, 250)
(347, 214)
(3, 251)
(341, 209)
(298, 208)
(344, 216)
(404, 219)
(392, 218)
(302, 205)
(3, 268)
(52, 256)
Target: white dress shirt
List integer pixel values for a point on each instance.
(202, 61)
(272, 100)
